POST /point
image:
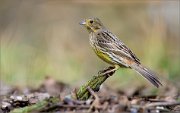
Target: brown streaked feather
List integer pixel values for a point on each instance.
(109, 42)
(148, 74)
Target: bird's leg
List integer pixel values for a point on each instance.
(108, 71)
(101, 72)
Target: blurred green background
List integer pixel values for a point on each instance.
(43, 37)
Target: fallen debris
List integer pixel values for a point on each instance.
(43, 99)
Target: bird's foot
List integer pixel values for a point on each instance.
(107, 71)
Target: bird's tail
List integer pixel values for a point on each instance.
(147, 73)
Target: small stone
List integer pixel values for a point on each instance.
(5, 105)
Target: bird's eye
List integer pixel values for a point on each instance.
(91, 21)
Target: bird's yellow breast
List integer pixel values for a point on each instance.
(103, 56)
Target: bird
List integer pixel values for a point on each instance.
(113, 51)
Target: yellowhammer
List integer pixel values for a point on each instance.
(113, 51)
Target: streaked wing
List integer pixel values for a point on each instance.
(110, 43)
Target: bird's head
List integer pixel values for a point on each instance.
(92, 24)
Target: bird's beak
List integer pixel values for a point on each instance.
(83, 22)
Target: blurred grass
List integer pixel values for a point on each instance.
(40, 38)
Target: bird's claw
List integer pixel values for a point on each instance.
(110, 69)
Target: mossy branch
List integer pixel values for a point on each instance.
(94, 83)
(38, 106)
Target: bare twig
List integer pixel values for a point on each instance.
(161, 104)
(61, 106)
(92, 93)
(96, 102)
